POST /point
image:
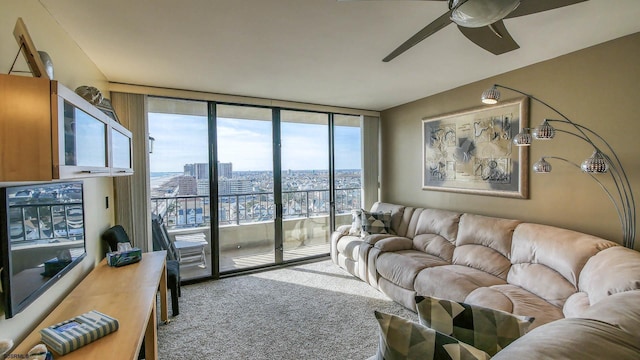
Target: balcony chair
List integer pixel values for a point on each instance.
(161, 242)
(117, 234)
(190, 249)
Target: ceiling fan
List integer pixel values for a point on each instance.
(481, 22)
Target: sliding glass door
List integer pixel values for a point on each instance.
(305, 183)
(246, 207)
(242, 187)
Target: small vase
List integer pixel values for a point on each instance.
(48, 64)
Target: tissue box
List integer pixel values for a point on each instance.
(54, 266)
(121, 258)
(77, 332)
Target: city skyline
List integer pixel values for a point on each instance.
(183, 139)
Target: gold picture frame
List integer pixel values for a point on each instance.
(472, 151)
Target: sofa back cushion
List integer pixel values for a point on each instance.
(435, 232)
(439, 222)
(413, 223)
(547, 260)
(484, 243)
(609, 272)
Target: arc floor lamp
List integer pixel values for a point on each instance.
(603, 160)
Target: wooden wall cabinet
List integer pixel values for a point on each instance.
(49, 132)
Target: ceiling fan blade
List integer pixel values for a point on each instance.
(494, 38)
(527, 7)
(427, 31)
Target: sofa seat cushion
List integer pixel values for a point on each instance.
(516, 300)
(349, 246)
(453, 282)
(583, 339)
(401, 267)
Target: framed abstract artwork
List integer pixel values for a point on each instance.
(472, 151)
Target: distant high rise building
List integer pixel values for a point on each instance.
(189, 170)
(198, 170)
(187, 185)
(202, 171)
(225, 170)
(234, 186)
(203, 187)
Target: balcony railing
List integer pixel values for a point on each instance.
(237, 209)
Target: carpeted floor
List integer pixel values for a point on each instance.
(310, 311)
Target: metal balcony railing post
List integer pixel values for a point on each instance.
(238, 210)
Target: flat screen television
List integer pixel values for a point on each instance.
(42, 236)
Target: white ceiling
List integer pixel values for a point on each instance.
(316, 51)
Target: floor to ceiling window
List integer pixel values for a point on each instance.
(179, 174)
(282, 179)
(348, 166)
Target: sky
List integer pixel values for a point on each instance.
(182, 139)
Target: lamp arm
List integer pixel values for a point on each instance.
(619, 176)
(617, 172)
(547, 105)
(589, 140)
(604, 188)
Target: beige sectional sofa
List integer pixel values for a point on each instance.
(583, 291)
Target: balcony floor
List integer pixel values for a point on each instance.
(248, 258)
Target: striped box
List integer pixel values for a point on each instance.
(74, 333)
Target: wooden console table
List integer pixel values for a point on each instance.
(126, 293)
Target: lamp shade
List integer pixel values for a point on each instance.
(523, 138)
(479, 13)
(596, 164)
(491, 96)
(542, 166)
(544, 131)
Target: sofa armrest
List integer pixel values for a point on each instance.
(374, 238)
(573, 339)
(343, 229)
(394, 243)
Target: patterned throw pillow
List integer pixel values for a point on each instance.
(356, 222)
(402, 339)
(375, 223)
(486, 329)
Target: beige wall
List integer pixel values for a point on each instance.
(598, 87)
(72, 68)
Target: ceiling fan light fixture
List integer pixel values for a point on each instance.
(479, 13)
